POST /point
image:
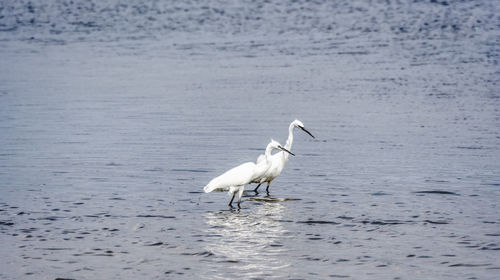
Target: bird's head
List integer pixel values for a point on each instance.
(276, 145)
(300, 125)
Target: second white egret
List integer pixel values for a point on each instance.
(235, 179)
(279, 159)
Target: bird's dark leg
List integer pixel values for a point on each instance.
(255, 190)
(240, 193)
(268, 184)
(231, 202)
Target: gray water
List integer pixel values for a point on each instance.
(114, 116)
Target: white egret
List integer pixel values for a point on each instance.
(279, 159)
(235, 179)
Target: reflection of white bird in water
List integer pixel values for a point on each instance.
(236, 178)
(279, 159)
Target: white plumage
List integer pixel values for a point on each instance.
(235, 179)
(278, 160)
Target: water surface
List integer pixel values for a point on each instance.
(114, 116)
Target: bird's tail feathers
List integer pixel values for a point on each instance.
(215, 185)
(209, 188)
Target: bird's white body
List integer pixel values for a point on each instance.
(278, 160)
(235, 179)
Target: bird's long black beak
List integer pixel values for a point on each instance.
(305, 130)
(283, 149)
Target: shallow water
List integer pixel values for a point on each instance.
(110, 130)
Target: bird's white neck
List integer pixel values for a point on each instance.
(289, 141)
(269, 149)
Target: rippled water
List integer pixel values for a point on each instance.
(114, 116)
